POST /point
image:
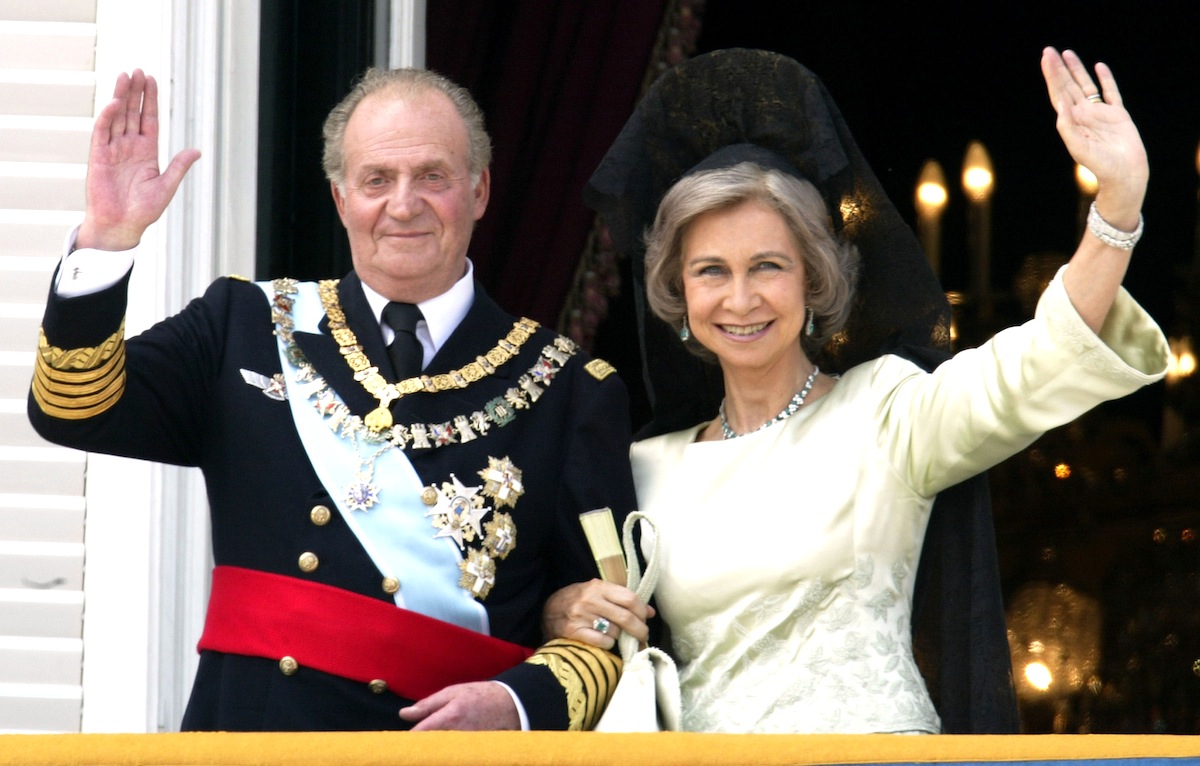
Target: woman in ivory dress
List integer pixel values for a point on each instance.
(792, 522)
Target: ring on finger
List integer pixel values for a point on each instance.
(600, 624)
(1096, 98)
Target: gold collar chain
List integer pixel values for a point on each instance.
(494, 413)
(377, 386)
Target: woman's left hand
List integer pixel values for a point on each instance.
(581, 610)
(1099, 134)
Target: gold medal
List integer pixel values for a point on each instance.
(379, 419)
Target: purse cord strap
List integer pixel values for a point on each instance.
(641, 583)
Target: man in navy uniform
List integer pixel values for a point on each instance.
(395, 466)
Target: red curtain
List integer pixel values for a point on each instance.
(557, 80)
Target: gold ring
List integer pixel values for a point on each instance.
(1096, 98)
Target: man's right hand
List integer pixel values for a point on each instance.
(125, 190)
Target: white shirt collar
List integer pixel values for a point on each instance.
(442, 313)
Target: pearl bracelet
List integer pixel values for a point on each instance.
(1109, 234)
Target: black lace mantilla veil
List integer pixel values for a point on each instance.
(740, 96)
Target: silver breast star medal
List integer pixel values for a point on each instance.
(458, 512)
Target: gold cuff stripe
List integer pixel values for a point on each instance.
(601, 682)
(56, 393)
(77, 408)
(76, 384)
(588, 676)
(81, 358)
(83, 382)
(114, 364)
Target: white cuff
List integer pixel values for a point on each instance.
(87, 271)
(516, 701)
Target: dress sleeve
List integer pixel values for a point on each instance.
(987, 403)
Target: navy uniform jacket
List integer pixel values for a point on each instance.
(184, 401)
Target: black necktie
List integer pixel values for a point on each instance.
(405, 349)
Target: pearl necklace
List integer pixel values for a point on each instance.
(796, 403)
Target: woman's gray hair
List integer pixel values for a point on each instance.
(830, 265)
(402, 83)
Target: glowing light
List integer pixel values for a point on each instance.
(1181, 362)
(931, 189)
(977, 181)
(1053, 639)
(977, 175)
(1086, 181)
(1038, 675)
(1062, 471)
(932, 195)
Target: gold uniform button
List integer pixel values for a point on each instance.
(391, 585)
(289, 666)
(320, 515)
(429, 496)
(308, 562)
(378, 686)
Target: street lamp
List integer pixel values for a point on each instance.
(978, 182)
(931, 199)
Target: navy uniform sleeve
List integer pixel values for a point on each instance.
(146, 397)
(566, 684)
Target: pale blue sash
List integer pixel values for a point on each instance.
(395, 532)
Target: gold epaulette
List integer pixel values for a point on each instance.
(599, 369)
(79, 383)
(588, 676)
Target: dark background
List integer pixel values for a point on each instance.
(921, 80)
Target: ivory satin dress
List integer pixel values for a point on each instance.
(789, 555)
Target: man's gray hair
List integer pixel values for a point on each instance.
(404, 83)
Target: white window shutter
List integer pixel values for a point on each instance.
(47, 93)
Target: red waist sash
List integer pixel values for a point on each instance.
(346, 634)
